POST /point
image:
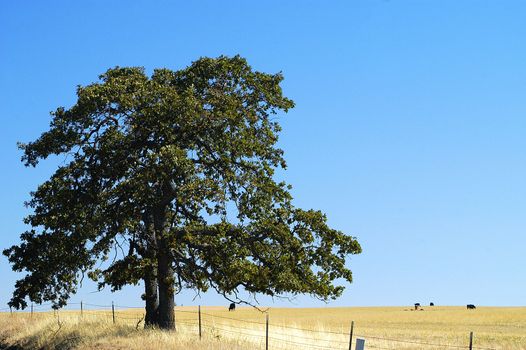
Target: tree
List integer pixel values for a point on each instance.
(169, 179)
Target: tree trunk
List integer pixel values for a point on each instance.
(165, 273)
(151, 298)
(151, 286)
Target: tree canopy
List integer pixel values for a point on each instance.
(170, 179)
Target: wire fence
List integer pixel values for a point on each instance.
(264, 333)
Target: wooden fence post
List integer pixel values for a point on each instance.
(266, 335)
(350, 337)
(113, 312)
(81, 309)
(31, 310)
(199, 322)
(470, 340)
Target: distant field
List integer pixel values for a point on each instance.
(289, 328)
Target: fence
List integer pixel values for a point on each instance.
(268, 335)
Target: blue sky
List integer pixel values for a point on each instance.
(408, 131)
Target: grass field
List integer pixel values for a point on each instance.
(289, 328)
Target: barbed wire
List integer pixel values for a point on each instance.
(271, 338)
(98, 312)
(96, 305)
(97, 317)
(231, 331)
(377, 347)
(346, 334)
(129, 307)
(188, 312)
(287, 334)
(290, 342)
(420, 342)
(109, 314)
(233, 319)
(311, 330)
(273, 325)
(128, 318)
(482, 348)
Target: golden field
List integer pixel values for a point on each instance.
(289, 328)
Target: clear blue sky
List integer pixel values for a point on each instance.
(409, 130)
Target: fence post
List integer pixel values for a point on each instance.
(470, 340)
(31, 310)
(199, 322)
(350, 337)
(266, 334)
(113, 312)
(81, 309)
(11, 310)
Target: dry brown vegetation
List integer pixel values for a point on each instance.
(290, 328)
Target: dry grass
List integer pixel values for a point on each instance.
(293, 328)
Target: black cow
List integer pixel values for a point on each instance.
(431, 304)
(232, 307)
(471, 307)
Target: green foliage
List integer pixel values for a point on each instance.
(157, 165)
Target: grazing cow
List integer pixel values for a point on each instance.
(417, 305)
(232, 307)
(431, 304)
(471, 307)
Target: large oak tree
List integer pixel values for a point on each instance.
(170, 180)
